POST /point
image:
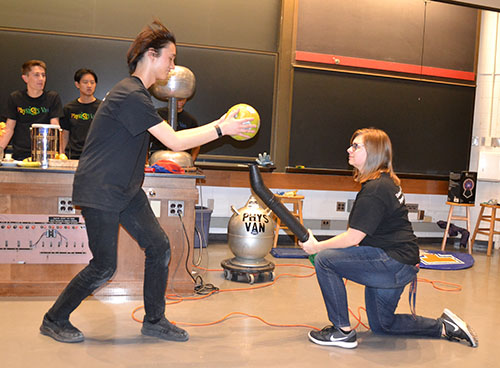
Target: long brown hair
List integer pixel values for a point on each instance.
(378, 155)
(153, 36)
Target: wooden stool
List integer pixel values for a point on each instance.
(297, 201)
(465, 218)
(485, 230)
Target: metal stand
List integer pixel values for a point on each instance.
(235, 271)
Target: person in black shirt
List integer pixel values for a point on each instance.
(24, 108)
(378, 250)
(107, 185)
(79, 113)
(184, 121)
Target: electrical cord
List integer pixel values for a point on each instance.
(200, 287)
(175, 299)
(201, 235)
(200, 241)
(204, 290)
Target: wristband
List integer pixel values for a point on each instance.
(219, 132)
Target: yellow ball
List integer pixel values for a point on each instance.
(246, 111)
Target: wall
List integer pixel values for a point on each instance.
(319, 205)
(487, 107)
(217, 39)
(225, 24)
(322, 204)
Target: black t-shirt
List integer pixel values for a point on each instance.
(77, 120)
(380, 212)
(111, 167)
(26, 111)
(184, 121)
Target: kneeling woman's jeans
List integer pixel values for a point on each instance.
(102, 230)
(384, 279)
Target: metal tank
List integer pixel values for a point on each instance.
(250, 238)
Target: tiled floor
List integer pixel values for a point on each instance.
(113, 338)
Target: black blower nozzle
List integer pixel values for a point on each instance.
(275, 204)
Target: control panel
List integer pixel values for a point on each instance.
(43, 239)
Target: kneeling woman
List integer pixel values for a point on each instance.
(378, 250)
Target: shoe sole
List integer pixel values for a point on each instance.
(342, 344)
(464, 326)
(49, 332)
(162, 336)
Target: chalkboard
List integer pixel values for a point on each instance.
(242, 24)
(224, 77)
(430, 124)
(398, 35)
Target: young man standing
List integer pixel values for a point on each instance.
(24, 108)
(79, 113)
(108, 181)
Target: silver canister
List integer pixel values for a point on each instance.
(45, 140)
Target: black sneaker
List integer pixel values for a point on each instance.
(164, 330)
(332, 336)
(456, 329)
(62, 331)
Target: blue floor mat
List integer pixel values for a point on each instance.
(288, 253)
(438, 260)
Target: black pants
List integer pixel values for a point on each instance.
(102, 230)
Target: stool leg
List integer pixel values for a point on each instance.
(295, 211)
(468, 229)
(301, 219)
(479, 219)
(492, 230)
(450, 213)
(276, 232)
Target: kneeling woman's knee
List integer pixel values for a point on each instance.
(380, 325)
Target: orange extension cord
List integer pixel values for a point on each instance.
(175, 299)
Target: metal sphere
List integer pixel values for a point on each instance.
(180, 83)
(183, 159)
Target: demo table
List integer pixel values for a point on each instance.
(28, 194)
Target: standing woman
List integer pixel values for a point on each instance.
(378, 250)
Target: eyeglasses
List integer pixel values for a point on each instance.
(356, 146)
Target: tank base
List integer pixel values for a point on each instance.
(234, 271)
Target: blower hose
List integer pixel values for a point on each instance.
(275, 204)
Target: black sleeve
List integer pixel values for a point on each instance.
(11, 112)
(367, 213)
(138, 114)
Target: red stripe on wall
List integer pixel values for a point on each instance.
(383, 65)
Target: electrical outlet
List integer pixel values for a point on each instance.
(65, 206)
(210, 203)
(325, 224)
(412, 207)
(175, 208)
(340, 206)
